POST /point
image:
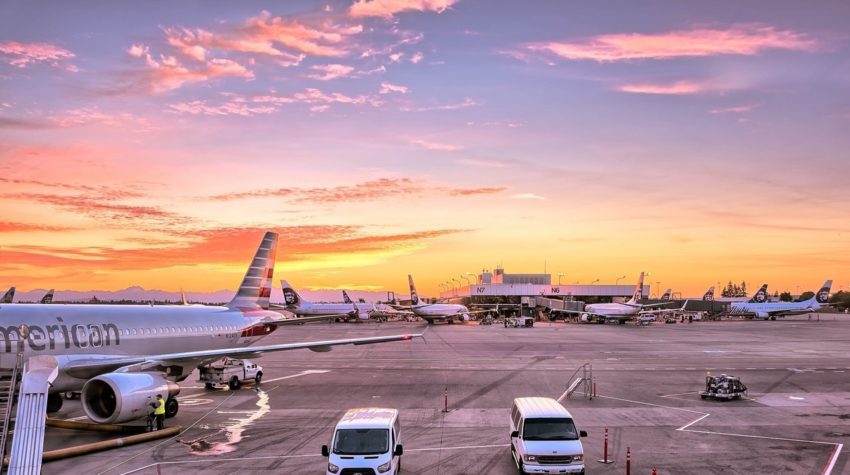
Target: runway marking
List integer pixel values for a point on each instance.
(693, 422)
(303, 373)
(833, 459)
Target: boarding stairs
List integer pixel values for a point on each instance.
(582, 379)
(38, 372)
(8, 382)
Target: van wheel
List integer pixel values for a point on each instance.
(258, 378)
(234, 383)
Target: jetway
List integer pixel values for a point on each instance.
(552, 305)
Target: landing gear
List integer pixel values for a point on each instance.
(171, 408)
(54, 402)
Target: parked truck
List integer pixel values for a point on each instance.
(230, 371)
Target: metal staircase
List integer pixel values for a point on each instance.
(8, 384)
(30, 420)
(581, 378)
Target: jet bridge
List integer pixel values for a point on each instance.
(28, 443)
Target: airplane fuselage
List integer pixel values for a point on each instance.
(319, 309)
(440, 311)
(612, 309)
(769, 309)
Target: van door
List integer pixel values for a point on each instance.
(516, 441)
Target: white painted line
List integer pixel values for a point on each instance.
(303, 373)
(693, 422)
(833, 459)
(759, 437)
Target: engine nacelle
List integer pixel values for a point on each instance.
(121, 397)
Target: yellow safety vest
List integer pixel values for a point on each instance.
(160, 408)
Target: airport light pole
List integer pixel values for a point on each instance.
(458, 286)
(595, 281)
(560, 274)
(657, 289)
(617, 282)
(466, 279)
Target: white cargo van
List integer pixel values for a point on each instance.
(544, 438)
(366, 441)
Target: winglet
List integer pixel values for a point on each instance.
(256, 287)
(183, 297)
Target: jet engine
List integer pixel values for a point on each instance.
(121, 397)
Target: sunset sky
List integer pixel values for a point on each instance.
(152, 143)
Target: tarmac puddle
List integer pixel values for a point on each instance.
(232, 431)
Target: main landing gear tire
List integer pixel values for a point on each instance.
(171, 408)
(258, 378)
(54, 402)
(234, 383)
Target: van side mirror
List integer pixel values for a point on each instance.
(582, 433)
(325, 451)
(514, 434)
(399, 451)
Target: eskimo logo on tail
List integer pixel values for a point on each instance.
(414, 298)
(48, 297)
(256, 287)
(666, 295)
(345, 297)
(761, 295)
(8, 296)
(823, 294)
(709, 295)
(637, 295)
(290, 296)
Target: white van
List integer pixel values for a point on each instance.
(366, 441)
(544, 438)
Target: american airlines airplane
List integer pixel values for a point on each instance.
(437, 311)
(622, 312)
(119, 356)
(760, 308)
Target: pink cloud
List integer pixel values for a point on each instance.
(387, 88)
(443, 147)
(325, 39)
(318, 100)
(445, 107)
(676, 88)
(745, 39)
(227, 108)
(22, 55)
(417, 57)
(168, 73)
(187, 42)
(330, 71)
(733, 110)
(388, 8)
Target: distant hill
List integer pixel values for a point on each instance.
(141, 294)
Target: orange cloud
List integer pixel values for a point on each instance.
(477, 191)
(745, 39)
(676, 88)
(10, 227)
(22, 55)
(102, 207)
(388, 8)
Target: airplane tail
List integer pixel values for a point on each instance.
(290, 296)
(346, 298)
(638, 293)
(709, 294)
(666, 295)
(8, 296)
(760, 296)
(48, 297)
(414, 297)
(822, 296)
(256, 287)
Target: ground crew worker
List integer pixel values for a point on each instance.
(159, 411)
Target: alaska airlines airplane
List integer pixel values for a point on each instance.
(437, 311)
(709, 295)
(297, 305)
(622, 312)
(759, 307)
(377, 310)
(48, 297)
(8, 296)
(119, 356)
(666, 295)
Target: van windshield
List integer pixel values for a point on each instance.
(361, 441)
(550, 429)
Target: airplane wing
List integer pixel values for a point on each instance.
(91, 367)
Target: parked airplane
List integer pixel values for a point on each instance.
(8, 296)
(378, 311)
(622, 312)
(297, 305)
(759, 307)
(666, 295)
(48, 297)
(437, 311)
(709, 294)
(119, 356)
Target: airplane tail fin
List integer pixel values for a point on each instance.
(346, 298)
(709, 294)
(822, 296)
(8, 296)
(48, 297)
(183, 300)
(638, 293)
(256, 287)
(414, 297)
(666, 295)
(290, 296)
(760, 296)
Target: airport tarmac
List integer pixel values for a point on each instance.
(794, 421)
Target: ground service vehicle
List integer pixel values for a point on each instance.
(723, 387)
(544, 438)
(230, 371)
(365, 441)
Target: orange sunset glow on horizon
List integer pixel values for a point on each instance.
(153, 144)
